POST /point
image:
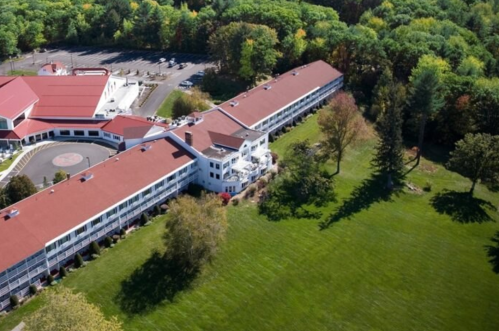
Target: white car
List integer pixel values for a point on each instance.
(186, 83)
(200, 73)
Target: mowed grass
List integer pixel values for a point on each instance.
(390, 265)
(167, 106)
(21, 72)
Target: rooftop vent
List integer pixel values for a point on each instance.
(13, 212)
(117, 159)
(189, 138)
(234, 103)
(145, 148)
(52, 191)
(267, 87)
(87, 176)
(295, 73)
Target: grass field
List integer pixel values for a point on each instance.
(387, 264)
(166, 108)
(22, 73)
(6, 164)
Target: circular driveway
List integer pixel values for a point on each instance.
(72, 158)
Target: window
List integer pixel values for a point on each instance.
(172, 177)
(79, 133)
(93, 133)
(111, 213)
(262, 142)
(122, 206)
(193, 166)
(182, 171)
(159, 185)
(50, 247)
(253, 148)
(64, 240)
(133, 200)
(81, 230)
(96, 221)
(115, 137)
(64, 132)
(108, 135)
(226, 165)
(217, 176)
(234, 160)
(146, 192)
(211, 164)
(211, 174)
(217, 166)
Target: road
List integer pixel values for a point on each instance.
(117, 60)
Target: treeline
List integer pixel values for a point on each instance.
(458, 39)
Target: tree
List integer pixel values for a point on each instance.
(426, 99)
(188, 103)
(59, 176)
(341, 125)
(302, 182)
(476, 157)
(67, 311)
(195, 229)
(144, 219)
(94, 248)
(78, 262)
(20, 187)
(389, 158)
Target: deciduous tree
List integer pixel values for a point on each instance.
(20, 187)
(476, 157)
(67, 311)
(342, 125)
(59, 176)
(195, 230)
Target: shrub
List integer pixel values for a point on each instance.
(148, 223)
(271, 138)
(262, 182)
(94, 248)
(275, 157)
(157, 210)
(14, 301)
(50, 279)
(427, 186)
(273, 174)
(63, 272)
(78, 260)
(225, 198)
(123, 232)
(144, 219)
(235, 201)
(95, 256)
(33, 289)
(251, 191)
(116, 238)
(108, 241)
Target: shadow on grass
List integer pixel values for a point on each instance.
(372, 190)
(493, 253)
(461, 207)
(157, 280)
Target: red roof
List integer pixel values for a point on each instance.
(225, 140)
(66, 96)
(45, 216)
(260, 103)
(53, 67)
(213, 120)
(130, 127)
(15, 97)
(29, 126)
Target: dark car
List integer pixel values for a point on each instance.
(182, 65)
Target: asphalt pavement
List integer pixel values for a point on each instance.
(117, 60)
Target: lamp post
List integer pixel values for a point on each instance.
(161, 61)
(88, 159)
(34, 57)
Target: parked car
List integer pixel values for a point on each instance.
(171, 63)
(186, 83)
(182, 65)
(200, 73)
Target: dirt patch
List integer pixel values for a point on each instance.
(428, 168)
(413, 188)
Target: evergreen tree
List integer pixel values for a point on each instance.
(389, 151)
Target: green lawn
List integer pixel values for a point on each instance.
(22, 73)
(166, 108)
(6, 164)
(387, 265)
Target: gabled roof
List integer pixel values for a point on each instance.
(53, 67)
(15, 97)
(66, 96)
(29, 126)
(261, 102)
(45, 215)
(221, 139)
(130, 127)
(213, 120)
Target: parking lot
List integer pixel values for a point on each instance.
(118, 60)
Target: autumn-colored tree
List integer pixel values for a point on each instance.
(195, 229)
(342, 125)
(68, 311)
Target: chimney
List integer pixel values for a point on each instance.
(188, 138)
(68, 176)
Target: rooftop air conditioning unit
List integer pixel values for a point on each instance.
(13, 212)
(234, 103)
(295, 73)
(87, 176)
(267, 87)
(145, 148)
